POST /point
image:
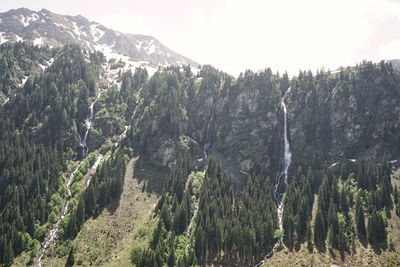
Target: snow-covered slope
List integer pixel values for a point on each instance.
(47, 28)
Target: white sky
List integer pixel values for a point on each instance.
(235, 35)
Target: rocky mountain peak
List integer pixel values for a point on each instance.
(47, 28)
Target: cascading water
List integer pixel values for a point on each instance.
(122, 135)
(206, 146)
(53, 232)
(88, 124)
(282, 176)
(207, 140)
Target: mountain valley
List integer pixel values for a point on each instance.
(117, 151)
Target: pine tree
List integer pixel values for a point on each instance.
(395, 195)
(165, 216)
(331, 237)
(343, 203)
(380, 229)
(72, 229)
(303, 216)
(90, 201)
(3, 245)
(376, 228)
(342, 240)
(288, 226)
(333, 224)
(80, 213)
(171, 258)
(319, 230)
(70, 259)
(360, 221)
(136, 254)
(8, 256)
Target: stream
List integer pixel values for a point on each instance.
(281, 177)
(88, 124)
(206, 146)
(52, 237)
(122, 135)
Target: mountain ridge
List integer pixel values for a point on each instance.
(47, 28)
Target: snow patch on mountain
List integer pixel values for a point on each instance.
(108, 52)
(59, 25)
(130, 63)
(2, 38)
(96, 32)
(47, 64)
(139, 45)
(27, 20)
(46, 27)
(151, 48)
(77, 30)
(38, 41)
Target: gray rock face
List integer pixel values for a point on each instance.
(47, 28)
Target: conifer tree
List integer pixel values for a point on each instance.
(8, 256)
(376, 228)
(360, 221)
(171, 258)
(333, 224)
(319, 230)
(395, 195)
(70, 259)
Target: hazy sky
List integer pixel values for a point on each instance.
(235, 35)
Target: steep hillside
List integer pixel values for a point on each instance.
(235, 119)
(324, 128)
(44, 126)
(355, 114)
(71, 121)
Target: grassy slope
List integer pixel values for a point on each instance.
(108, 239)
(358, 255)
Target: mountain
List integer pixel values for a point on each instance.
(102, 165)
(47, 28)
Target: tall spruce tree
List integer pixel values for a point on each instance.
(319, 230)
(360, 221)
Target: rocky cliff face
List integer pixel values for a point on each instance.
(47, 28)
(234, 120)
(351, 114)
(246, 128)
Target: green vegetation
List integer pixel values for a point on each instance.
(350, 114)
(19, 60)
(107, 182)
(241, 227)
(174, 115)
(39, 127)
(346, 189)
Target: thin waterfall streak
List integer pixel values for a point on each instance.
(53, 232)
(282, 174)
(205, 147)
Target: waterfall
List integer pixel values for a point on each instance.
(287, 156)
(53, 232)
(88, 124)
(206, 146)
(282, 176)
(207, 140)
